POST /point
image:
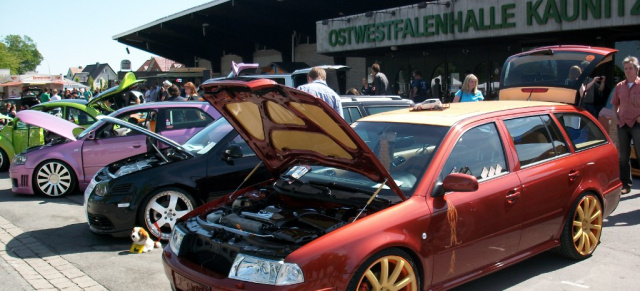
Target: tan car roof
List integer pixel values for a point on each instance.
(456, 112)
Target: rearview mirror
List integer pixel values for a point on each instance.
(232, 152)
(91, 134)
(456, 182)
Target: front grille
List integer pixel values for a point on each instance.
(14, 183)
(24, 180)
(100, 222)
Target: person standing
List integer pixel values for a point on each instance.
(174, 94)
(469, 91)
(419, 87)
(163, 94)
(627, 109)
(436, 89)
(380, 81)
(366, 88)
(45, 97)
(190, 92)
(55, 95)
(317, 86)
(86, 94)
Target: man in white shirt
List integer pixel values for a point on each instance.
(317, 86)
(55, 95)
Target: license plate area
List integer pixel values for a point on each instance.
(183, 283)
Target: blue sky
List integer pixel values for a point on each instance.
(71, 33)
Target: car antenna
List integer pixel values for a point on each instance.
(247, 177)
(375, 194)
(530, 93)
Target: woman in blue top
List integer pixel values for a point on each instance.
(469, 91)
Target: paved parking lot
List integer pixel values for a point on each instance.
(45, 244)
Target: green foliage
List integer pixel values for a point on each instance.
(77, 79)
(91, 81)
(21, 50)
(7, 59)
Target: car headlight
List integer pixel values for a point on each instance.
(265, 271)
(19, 160)
(177, 235)
(101, 189)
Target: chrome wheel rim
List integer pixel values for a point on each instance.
(587, 225)
(53, 179)
(163, 210)
(389, 273)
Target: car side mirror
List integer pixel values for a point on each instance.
(91, 135)
(457, 182)
(232, 152)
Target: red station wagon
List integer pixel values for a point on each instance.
(402, 200)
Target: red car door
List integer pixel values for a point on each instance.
(475, 229)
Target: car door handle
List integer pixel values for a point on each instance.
(573, 175)
(136, 145)
(512, 196)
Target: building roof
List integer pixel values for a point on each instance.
(145, 66)
(75, 70)
(456, 112)
(237, 27)
(94, 70)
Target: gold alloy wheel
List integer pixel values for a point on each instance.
(587, 225)
(389, 273)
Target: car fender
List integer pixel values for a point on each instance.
(350, 246)
(7, 146)
(48, 154)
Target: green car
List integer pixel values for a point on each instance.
(16, 136)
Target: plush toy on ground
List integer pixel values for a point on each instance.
(142, 243)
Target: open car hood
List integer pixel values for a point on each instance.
(541, 74)
(287, 127)
(127, 82)
(52, 123)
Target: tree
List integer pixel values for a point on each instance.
(7, 59)
(23, 51)
(91, 83)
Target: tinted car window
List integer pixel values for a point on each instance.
(79, 117)
(582, 132)
(178, 118)
(532, 140)
(380, 109)
(478, 152)
(351, 114)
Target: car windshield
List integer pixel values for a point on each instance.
(405, 150)
(548, 68)
(208, 137)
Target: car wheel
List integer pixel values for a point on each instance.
(162, 210)
(54, 179)
(581, 233)
(390, 269)
(4, 160)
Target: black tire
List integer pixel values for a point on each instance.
(54, 178)
(160, 221)
(366, 277)
(581, 233)
(4, 161)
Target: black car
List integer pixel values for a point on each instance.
(155, 189)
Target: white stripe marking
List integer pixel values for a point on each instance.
(574, 284)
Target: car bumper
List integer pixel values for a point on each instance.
(110, 215)
(21, 179)
(184, 275)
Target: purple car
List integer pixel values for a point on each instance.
(71, 155)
